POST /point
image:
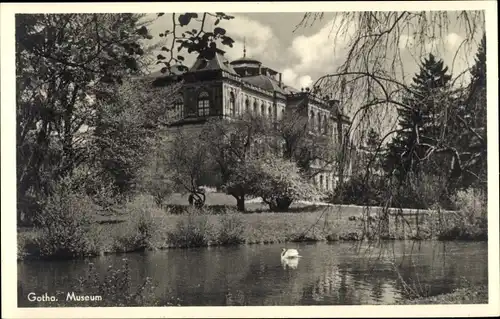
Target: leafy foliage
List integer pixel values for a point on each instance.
(66, 224)
(280, 182)
(195, 40)
(63, 62)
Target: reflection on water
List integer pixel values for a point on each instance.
(327, 274)
(292, 263)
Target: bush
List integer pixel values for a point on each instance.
(194, 231)
(359, 191)
(116, 288)
(66, 225)
(141, 227)
(468, 222)
(231, 229)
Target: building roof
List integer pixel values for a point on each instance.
(219, 62)
(267, 83)
(246, 61)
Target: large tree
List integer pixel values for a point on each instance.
(62, 62)
(419, 119)
(234, 146)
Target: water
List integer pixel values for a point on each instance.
(253, 275)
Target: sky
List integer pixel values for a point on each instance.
(306, 53)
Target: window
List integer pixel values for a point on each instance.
(262, 109)
(255, 108)
(325, 125)
(321, 181)
(247, 105)
(231, 104)
(327, 179)
(179, 108)
(275, 114)
(319, 123)
(269, 112)
(311, 120)
(203, 104)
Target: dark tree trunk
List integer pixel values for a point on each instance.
(240, 203)
(281, 204)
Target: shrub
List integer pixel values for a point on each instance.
(359, 191)
(66, 225)
(231, 229)
(116, 288)
(468, 222)
(141, 227)
(193, 231)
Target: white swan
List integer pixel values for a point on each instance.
(291, 263)
(289, 253)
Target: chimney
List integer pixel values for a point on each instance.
(280, 79)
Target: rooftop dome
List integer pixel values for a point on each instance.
(246, 60)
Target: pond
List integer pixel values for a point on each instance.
(254, 275)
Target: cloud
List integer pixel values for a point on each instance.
(321, 50)
(292, 79)
(260, 39)
(317, 54)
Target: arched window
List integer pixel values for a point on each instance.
(321, 181)
(262, 109)
(232, 109)
(203, 104)
(179, 107)
(311, 120)
(255, 107)
(247, 105)
(269, 112)
(283, 113)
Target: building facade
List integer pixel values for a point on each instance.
(219, 88)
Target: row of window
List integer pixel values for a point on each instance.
(318, 123)
(271, 111)
(324, 182)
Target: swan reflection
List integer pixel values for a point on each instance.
(290, 263)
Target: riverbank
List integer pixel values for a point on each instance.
(462, 296)
(144, 226)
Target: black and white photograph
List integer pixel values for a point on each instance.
(163, 157)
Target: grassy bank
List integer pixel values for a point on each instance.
(142, 225)
(471, 295)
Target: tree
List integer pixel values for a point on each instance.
(69, 68)
(233, 146)
(62, 62)
(371, 82)
(279, 182)
(314, 152)
(188, 162)
(420, 123)
(471, 126)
